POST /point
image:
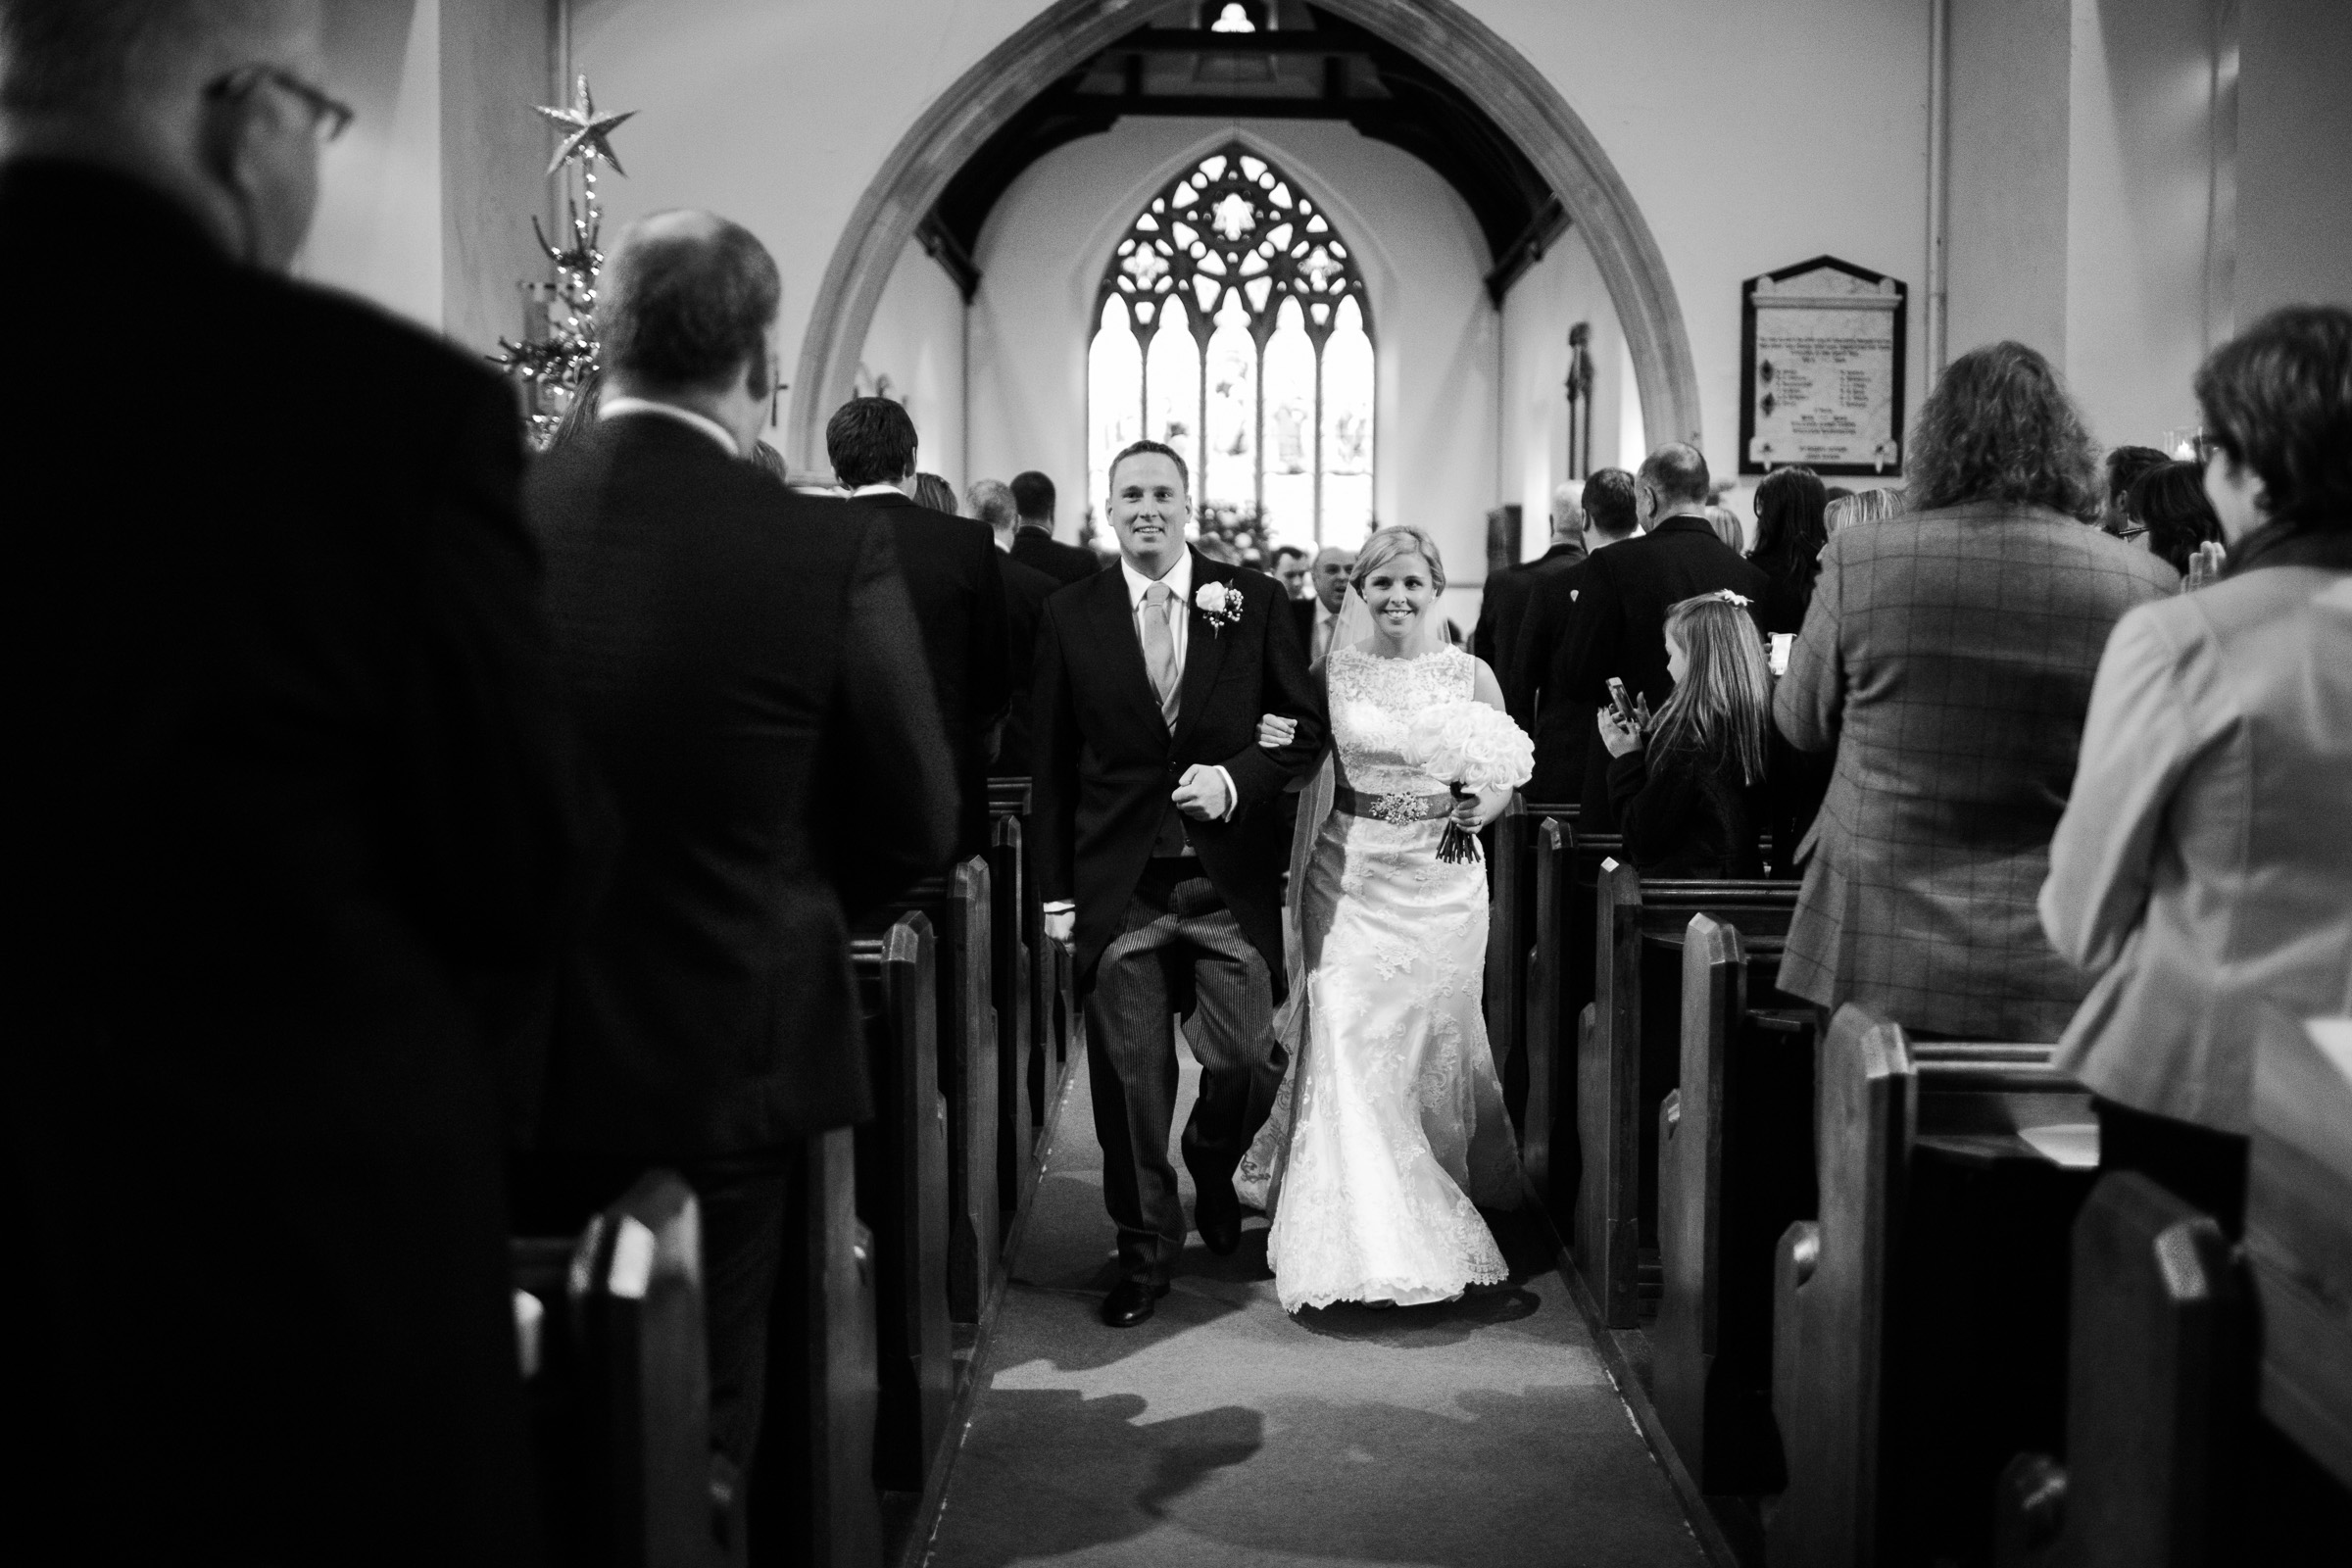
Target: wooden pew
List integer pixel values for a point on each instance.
(616, 1374)
(2299, 1233)
(834, 1324)
(902, 1194)
(2155, 1322)
(961, 915)
(1012, 984)
(1735, 1170)
(1919, 1325)
(1628, 1056)
(1507, 936)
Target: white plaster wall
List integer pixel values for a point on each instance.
(2138, 202)
(1557, 292)
(378, 231)
(2294, 156)
(1042, 255)
(917, 342)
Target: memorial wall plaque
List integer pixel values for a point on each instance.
(1821, 369)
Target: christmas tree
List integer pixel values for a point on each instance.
(556, 364)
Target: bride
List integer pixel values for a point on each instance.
(1388, 1133)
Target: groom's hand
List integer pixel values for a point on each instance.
(1201, 794)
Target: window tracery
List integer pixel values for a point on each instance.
(1233, 309)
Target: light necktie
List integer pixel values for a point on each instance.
(1159, 650)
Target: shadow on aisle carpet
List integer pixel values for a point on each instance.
(1475, 1434)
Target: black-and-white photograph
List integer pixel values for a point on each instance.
(1133, 783)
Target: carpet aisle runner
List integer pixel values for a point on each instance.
(1480, 1434)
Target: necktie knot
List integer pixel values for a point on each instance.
(1158, 595)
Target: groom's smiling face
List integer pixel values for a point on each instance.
(1149, 509)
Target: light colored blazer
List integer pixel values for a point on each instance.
(2204, 865)
(1947, 655)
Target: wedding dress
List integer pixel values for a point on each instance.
(1389, 1131)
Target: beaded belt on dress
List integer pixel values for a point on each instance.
(1396, 809)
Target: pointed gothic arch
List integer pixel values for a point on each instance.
(1519, 97)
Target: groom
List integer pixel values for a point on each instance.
(1157, 813)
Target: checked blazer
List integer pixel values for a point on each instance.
(1106, 762)
(1947, 657)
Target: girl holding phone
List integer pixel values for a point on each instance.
(1688, 785)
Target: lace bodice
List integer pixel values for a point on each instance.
(1371, 701)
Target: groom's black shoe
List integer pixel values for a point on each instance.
(1217, 1216)
(1130, 1303)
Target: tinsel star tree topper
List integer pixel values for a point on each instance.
(555, 365)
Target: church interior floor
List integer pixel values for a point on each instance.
(1485, 1432)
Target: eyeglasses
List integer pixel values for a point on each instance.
(331, 115)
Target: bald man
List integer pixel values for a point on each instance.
(296, 834)
(1334, 570)
(1504, 604)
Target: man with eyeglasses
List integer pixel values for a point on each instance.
(297, 831)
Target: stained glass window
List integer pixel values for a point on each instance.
(1233, 325)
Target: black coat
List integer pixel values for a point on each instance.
(1040, 551)
(1106, 762)
(750, 684)
(1503, 605)
(1619, 627)
(1535, 687)
(1026, 591)
(298, 828)
(950, 565)
(1684, 815)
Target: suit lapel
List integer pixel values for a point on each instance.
(1114, 629)
(1203, 648)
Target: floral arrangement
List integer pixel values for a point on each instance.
(1220, 604)
(1473, 748)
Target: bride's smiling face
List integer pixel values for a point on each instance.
(1399, 592)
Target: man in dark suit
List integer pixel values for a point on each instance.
(1026, 590)
(1159, 849)
(1619, 627)
(298, 828)
(1503, 605)
(1535, 685)
(1034, 544)
(747, 668)
(950, 565)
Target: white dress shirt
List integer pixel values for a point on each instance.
(616, 407)
(876, 490)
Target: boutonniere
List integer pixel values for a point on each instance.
(1220, 604)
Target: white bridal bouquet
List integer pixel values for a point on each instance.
(1473, 748)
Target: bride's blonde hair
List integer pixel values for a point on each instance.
(1386, 545)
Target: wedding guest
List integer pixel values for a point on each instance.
(1335, 570)
(950, 565)
(1619, 628)
(1728, 527)
(1947, 658)
(2201, 872)
(747, 668)
(1535, 679)
(1791, 527)
(298, 829)
(1291, 571)
(1026, 590)
(934, 492)
(2123, 466)
(1503, 607)
(580, 413)
(1034, 544)
(2169, 515)
(1688, 791)
(768, 461)
(1868, 506)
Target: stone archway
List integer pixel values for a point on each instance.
(1447, 38)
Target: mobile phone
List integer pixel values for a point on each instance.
(1623, 704)
(1781, 642)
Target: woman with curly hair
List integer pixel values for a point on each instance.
(1947, 658)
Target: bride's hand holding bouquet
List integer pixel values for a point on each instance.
(1482, 754)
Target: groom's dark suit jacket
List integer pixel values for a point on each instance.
(1105, 762)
